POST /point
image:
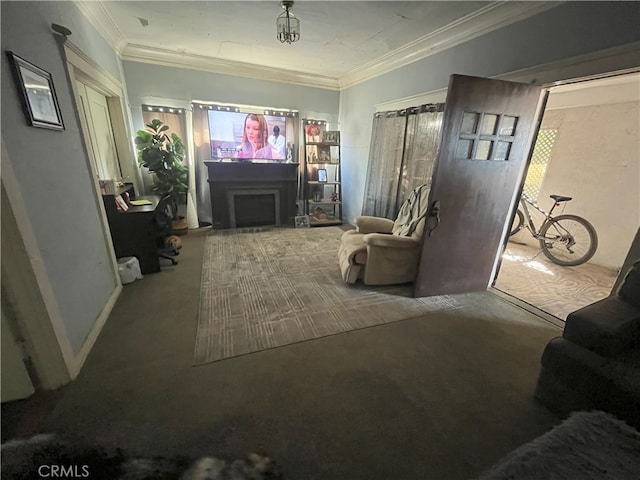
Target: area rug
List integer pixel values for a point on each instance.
(587, 446)
(265, 288)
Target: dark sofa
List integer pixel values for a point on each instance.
(596, 362)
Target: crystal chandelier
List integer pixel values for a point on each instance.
(287, 25)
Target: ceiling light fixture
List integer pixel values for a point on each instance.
(287, 25)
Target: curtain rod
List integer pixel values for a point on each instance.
(156, 108)
(228, 107)
(231, 108)
(427, 107)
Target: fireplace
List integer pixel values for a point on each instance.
(246, 194)
(253, 207)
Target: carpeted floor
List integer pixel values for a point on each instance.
(587, 446)
(439, 397)
(267, 288)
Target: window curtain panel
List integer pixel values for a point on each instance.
(294, 152)
(404, 148)
(177, 119)
(176, 123)
(202, 153)
(422, 139)
(385, 164)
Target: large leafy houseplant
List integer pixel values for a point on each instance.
(163, 155)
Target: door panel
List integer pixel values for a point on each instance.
(484, 147)
(104, 145)
(85, 120)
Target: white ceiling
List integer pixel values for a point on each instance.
(341, 42)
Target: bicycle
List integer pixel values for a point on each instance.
(566, 240)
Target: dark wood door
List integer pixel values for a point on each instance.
(488, 128)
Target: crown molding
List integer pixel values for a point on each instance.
(157, 56)
(616, 60)
(608, 67)
(100, 19)
(492, 17)
(88, 68)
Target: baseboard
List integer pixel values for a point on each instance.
(78, 361)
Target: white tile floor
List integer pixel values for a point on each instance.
(557, 290)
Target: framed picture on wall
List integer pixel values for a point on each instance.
(332, 136)
(37, 94)
(302, 221)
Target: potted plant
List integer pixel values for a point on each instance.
(163, 156)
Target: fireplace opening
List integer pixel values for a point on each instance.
(249, 208)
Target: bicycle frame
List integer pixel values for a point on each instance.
(530, 225)
(557, 234)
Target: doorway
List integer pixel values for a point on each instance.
(96, 123)
(593, 157)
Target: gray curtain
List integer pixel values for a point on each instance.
(385, 164)
(202, 152)
(404, 146)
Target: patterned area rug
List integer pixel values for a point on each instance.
(265, 288)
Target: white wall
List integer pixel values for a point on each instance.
(596, 160)
(569, 30)
(183, 85)
(52, 168)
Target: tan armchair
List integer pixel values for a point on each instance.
(382, 251)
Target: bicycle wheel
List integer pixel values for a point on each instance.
(518, 221)
(568, 240)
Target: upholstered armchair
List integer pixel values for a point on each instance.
(381, 251)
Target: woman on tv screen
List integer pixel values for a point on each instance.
(254, 137)
(242, 135)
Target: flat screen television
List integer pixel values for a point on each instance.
(239, 135)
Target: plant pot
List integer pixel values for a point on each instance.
(180, 226)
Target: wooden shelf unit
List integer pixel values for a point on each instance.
(322, 196)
